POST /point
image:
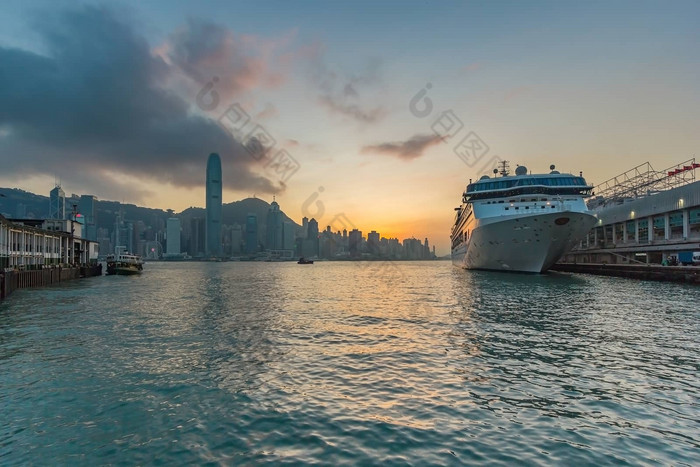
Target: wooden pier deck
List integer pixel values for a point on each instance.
(11, 280)
(655, 272)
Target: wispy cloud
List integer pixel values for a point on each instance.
(352, 110)
(412, 148)
(345, 95)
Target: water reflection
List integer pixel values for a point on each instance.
(251, 363)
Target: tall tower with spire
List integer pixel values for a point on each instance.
(213, 221)
(57, 203)
(274, 227)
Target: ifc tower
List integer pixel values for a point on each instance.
(213, 225)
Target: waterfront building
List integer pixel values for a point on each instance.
(644, 216)
(57, 203)
(33, 243)
(172, 247)
(214, 206)
(251, 234)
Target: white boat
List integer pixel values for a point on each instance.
(521, 223)
(124, 263)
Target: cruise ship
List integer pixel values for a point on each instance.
(521, 223)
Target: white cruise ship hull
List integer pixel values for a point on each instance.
(531, 243)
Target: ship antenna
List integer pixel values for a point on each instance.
(504, 168)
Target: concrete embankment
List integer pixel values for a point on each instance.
(689, 274)
(11, 280)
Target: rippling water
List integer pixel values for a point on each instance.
(350, 363)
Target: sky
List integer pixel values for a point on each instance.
(364, 114)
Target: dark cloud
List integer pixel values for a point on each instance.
(97, 102)
(407, 150)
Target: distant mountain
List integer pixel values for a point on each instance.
(236, 213)
(19, 203)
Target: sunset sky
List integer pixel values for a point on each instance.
(105, 98)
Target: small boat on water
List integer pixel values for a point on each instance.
(124, 264)
(305, 261)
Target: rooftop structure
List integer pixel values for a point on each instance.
(642, 181)
(646, 217)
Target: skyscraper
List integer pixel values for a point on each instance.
(355, 243)
(251, 233)
(287, 236)
(373, 243)
(86, 207)
(197, 236)
(173, 237)
(213, 237)
(57, 203)
(311, 241)
(274, 238)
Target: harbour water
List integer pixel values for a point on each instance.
(350, 363)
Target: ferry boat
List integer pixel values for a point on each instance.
(123, 263)
(523, 222)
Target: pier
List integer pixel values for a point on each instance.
(688, 274)
(36, 253)
(647, 219)
(11, 280)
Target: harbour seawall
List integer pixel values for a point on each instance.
(688, 274)
(11, 280)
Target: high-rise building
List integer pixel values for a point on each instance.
(213, 237)
(304, 225)
(197, 235)
(251, 233)
(87, 207)
(310, 248)
(355, 243)
(57, 203)
(274, 237)
(287, 236)
(236, 239)
(173, 237)
(373, 243)
(412, 248)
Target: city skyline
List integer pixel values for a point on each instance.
(340, 104)
(173, 236)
